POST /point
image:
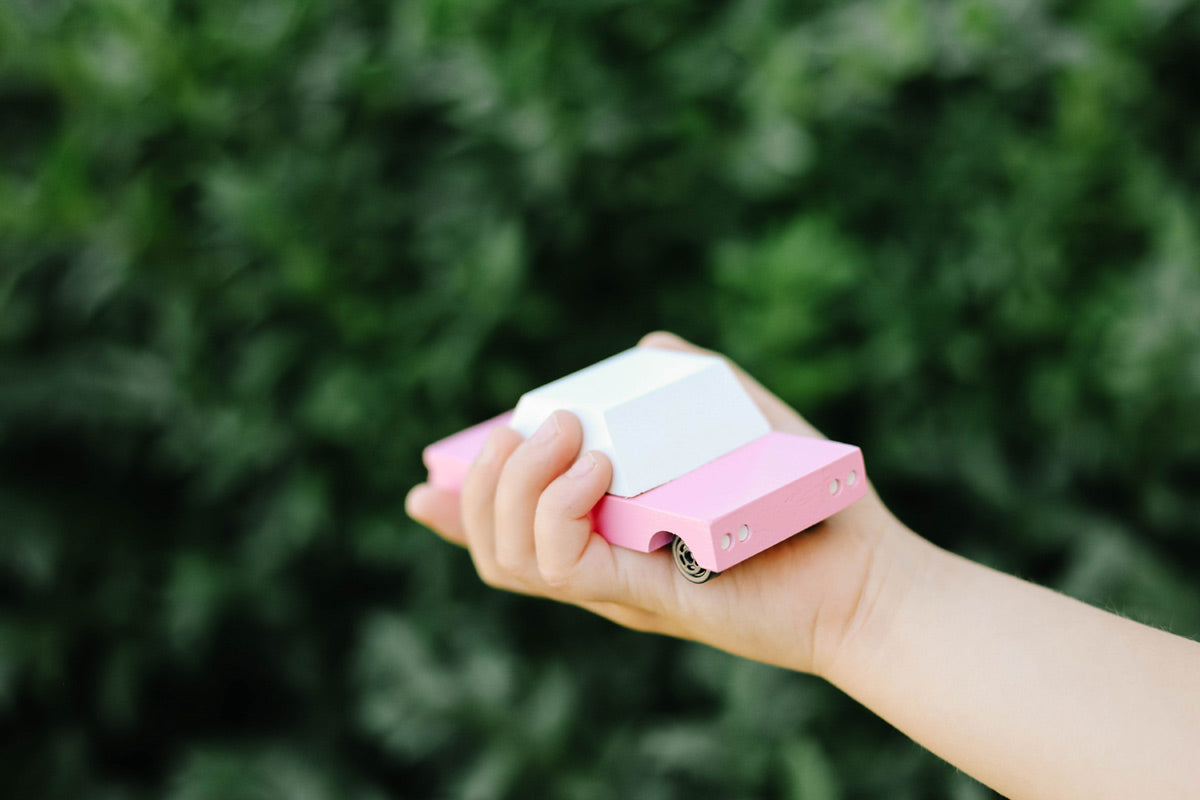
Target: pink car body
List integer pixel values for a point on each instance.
(724, 511)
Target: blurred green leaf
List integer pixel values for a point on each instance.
(255, 255)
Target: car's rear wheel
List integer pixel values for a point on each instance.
(685, 562)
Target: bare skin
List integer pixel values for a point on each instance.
(1032, 693)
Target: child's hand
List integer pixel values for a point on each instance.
(1033, 693)
(523, 514)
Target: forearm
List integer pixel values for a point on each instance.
(1031, 692)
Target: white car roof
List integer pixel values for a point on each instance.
(657, 414)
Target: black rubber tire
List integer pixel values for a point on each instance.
(685, 562)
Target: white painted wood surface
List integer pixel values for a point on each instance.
(657, 414)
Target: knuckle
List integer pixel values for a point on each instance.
(508, 563)
(551, 510)
(488, 573)
(569, 583)
(496, 452)
(518, 472)
(556, 577)
(476, 487)
(564, 576)
(493, 580)
(508, 482)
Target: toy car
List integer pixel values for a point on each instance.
(695, 463)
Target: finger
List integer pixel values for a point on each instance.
(479, 498)
(562, 527)
(580, 566)
(529, 470)
(437, 510)
(778, 413)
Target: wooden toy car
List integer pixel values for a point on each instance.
(695, 464)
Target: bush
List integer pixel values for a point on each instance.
(257, 254)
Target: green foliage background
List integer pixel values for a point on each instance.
(255, 254)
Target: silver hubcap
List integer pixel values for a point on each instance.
(687, 565)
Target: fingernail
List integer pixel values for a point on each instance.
(548, 430)
(585, 464)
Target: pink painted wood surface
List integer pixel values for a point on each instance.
(777, 486)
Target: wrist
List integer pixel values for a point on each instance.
(897, 562)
